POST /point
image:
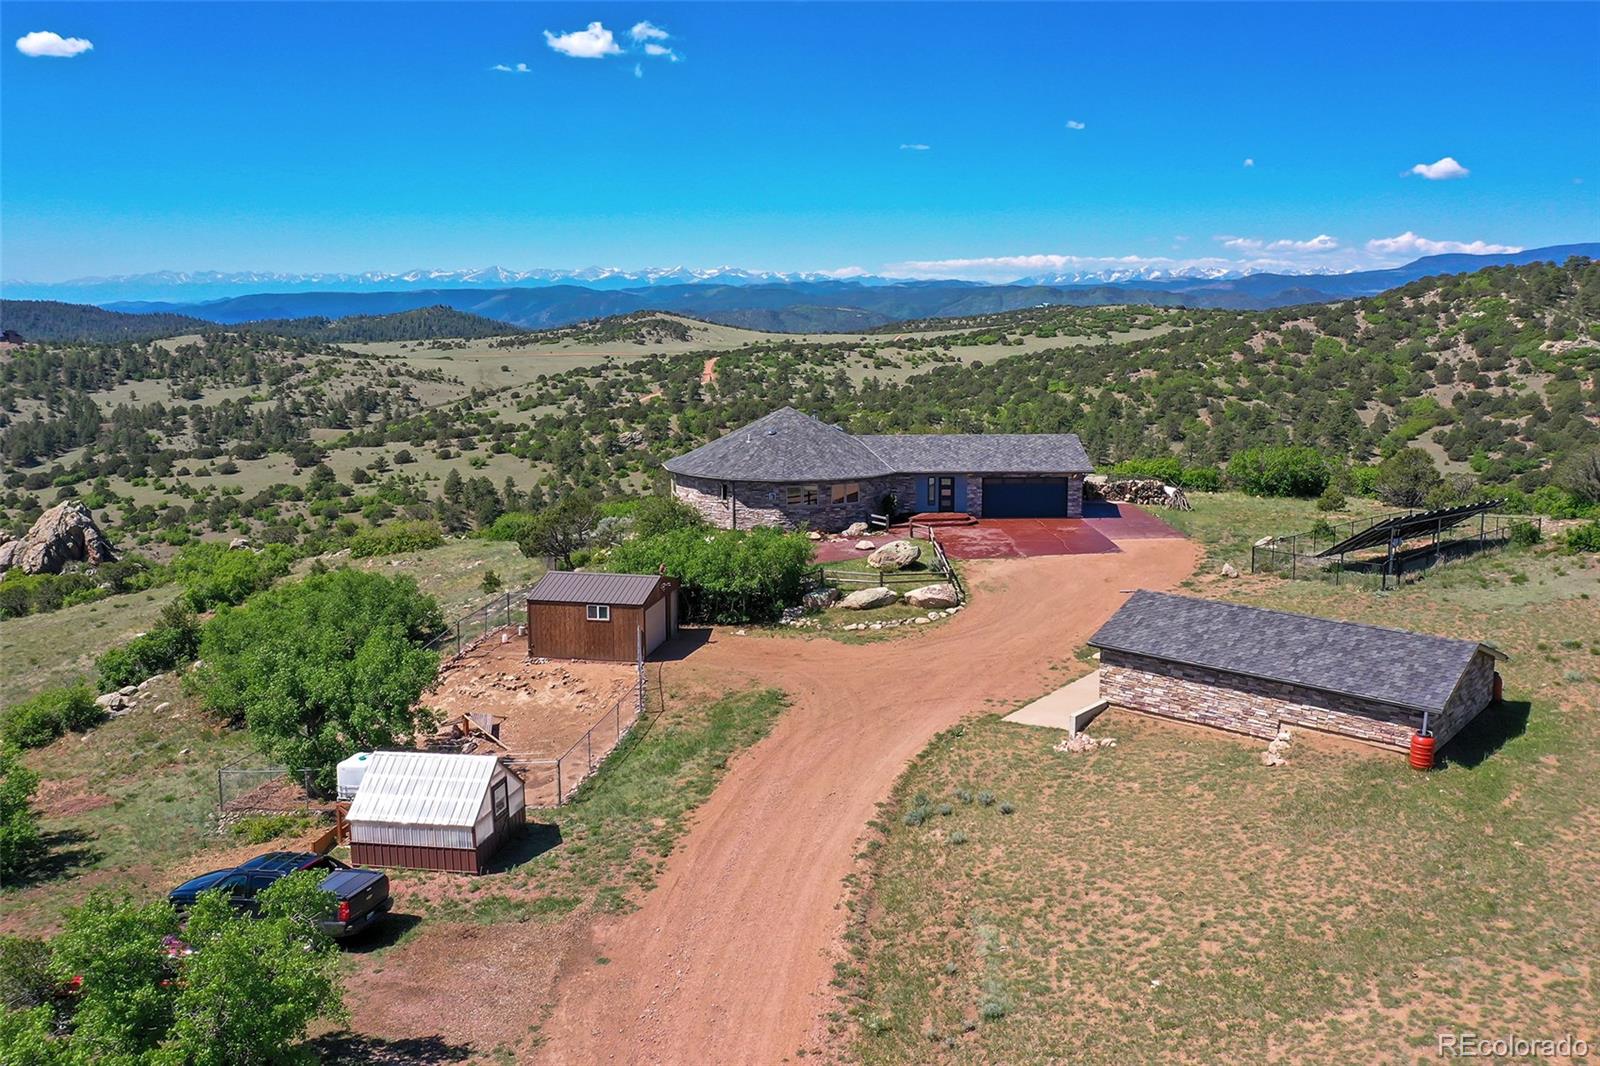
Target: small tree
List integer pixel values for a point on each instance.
(561, 529)
(1406, 477)
(664, 514)
(325, 666)
(1580, 475)
(20, 842)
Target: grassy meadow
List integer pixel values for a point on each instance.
(1172, 899)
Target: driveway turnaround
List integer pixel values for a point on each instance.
(728, 958)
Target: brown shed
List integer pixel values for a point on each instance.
(614, 617)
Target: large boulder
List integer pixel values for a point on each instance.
(855, 529)
(896, 555)
(64, 534)
(934, 597)
(867, 599)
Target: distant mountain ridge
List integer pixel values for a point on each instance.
(791, 305)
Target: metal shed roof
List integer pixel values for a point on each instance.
(570, 586)
(423, 788)
(1393, 666)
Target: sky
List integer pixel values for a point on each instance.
(987, 141)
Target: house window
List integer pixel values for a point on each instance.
(801, 494)
(727, 490)
(599, 612)
(850, 493)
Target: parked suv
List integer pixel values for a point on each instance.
(363, 895)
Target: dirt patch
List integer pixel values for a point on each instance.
(729, 958)
(708, 373)
(543, 707)
(63, 797)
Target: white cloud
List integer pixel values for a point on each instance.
(595, 42)
(43, 44)
(661, 50)
(520, 68)
(1444, 170)
(1320, 243)
(638, 70)
(1410, 244)
(1249, 162)
(915, 147)
(1074, 124)
(648, 31)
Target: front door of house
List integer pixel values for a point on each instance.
(947, 494)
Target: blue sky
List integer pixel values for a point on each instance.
(895, 138)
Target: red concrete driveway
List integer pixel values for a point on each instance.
(1097, 532)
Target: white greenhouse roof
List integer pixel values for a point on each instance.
(423, 788)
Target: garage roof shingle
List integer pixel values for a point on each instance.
(1393, 666)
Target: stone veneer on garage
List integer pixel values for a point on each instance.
(1242, 704)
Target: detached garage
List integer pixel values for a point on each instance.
(429, 810)
(1251, 670)
(611, 617)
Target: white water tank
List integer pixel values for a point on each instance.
(351, 771)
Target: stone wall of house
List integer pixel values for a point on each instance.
(1075, 496)
(1473, 694)
(1247, 705)
(760, 503)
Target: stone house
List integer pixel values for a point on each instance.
(1252, 670)
(789, 469)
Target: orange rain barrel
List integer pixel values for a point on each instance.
(1421, 751)
(1498, 687)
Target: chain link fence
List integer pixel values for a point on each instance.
(507, 608)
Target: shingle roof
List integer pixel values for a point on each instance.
(423, 788)
(1391, 666)
(621, 590)
(787, 446)
(783, 446)
(982, 453)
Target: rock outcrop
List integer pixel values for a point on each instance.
(895, 555)
(64, 534)
(867, 599)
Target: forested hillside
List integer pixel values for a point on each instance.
(51, 322)
(1493, 378)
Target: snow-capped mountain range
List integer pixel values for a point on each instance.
(214, 284)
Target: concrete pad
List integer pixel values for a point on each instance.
(1070, 707)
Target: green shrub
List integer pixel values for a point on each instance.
(173, 642)
(986, 798)
(509, 526)
(1279, 471)
(1584, 538)
(395, 537)
(1201, 478)
(1167, 468)
(656, 515)
(1525, 534)
(1331, 500)
(20, 840)
(261, 828)
(727, 576)
(35, 722)
(212, 574)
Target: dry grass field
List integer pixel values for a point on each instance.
(1172, 899)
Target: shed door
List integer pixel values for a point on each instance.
(655, 625)
(1024, 497)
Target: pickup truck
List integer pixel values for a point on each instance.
(363, 895)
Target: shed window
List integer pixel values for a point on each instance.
(850, 493)
(801, 494)
(599, 612)
(726, 490)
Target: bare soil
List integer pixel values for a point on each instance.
(728, 959)
(545, 706)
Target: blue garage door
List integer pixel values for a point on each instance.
(1024, 497)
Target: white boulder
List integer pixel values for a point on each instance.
(896, 555)
(867, 599)
(934, 597)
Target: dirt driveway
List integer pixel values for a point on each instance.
(728, 959)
